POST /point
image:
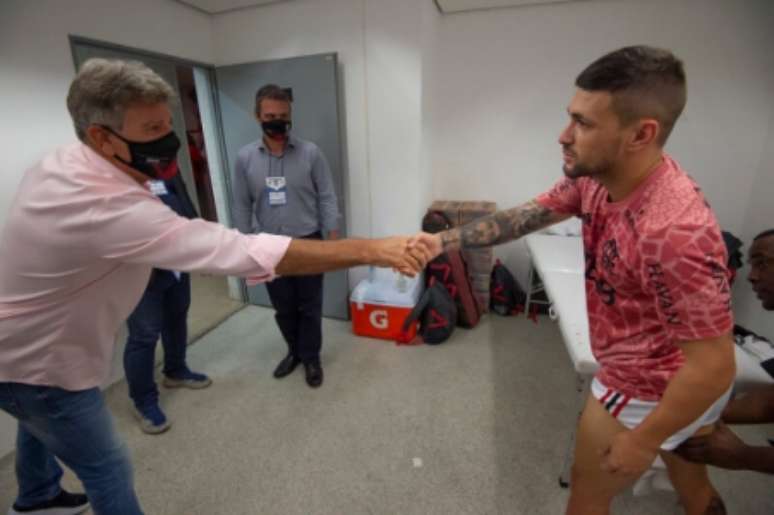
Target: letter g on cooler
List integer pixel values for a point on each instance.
(379, 319)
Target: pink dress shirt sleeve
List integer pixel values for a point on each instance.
(138, 228)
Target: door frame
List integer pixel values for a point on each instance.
(210, 68)
(335, 303)
(181, 61)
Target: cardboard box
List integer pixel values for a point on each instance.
(480, 261)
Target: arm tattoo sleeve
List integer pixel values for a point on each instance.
(501, 227)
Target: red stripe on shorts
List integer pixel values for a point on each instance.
(621, 406)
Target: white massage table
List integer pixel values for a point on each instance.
(559, 262)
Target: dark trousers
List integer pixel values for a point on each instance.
(163, 310)
(298, 304)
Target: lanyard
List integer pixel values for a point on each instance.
(281, 160)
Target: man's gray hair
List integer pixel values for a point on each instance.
(104, 88)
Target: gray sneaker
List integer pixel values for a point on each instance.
(188, 379)
(152, 420)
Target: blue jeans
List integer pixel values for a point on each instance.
(77, 428)
(163, 310)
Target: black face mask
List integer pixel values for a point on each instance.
(276, 129)
(157, 159)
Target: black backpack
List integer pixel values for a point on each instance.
(506, 297)
(437, 315)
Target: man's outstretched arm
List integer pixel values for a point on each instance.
(306, 257)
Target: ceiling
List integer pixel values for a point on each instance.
(455, 6)
(445, 6)
(220, 6)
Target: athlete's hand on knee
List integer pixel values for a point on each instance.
(721, 448)
(628, 456)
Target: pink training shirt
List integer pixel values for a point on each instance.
(655, 275)
(75, 257)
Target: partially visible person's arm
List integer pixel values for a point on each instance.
(756, 407)
(327, 204)
(722, 448)
(306, 257)
(242, 199)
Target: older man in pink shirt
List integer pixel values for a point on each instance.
(76, 253)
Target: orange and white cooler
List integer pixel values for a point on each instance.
(381, 303)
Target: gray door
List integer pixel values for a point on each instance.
(167, 70)
(315, 118)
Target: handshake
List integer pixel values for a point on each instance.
(407, 255)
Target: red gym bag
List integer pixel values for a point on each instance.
(451, 270)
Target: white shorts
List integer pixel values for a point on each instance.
(631, 412)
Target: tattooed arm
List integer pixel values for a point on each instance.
(501, 227)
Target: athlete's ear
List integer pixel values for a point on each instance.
(643, 133)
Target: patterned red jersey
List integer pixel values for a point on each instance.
(656, 275)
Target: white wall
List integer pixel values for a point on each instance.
(431, 20)
(393, 67)
(503, 78)
(36, 68)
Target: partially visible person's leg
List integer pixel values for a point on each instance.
(309, 291)
(174, 330)
(37, 472)
(283, 298)
(36, 469)
(692, 483)
(592, 488)
(174, 338)
(144, 324)
(78, 429)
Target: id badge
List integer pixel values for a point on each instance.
(158, 188)
(278, 191)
